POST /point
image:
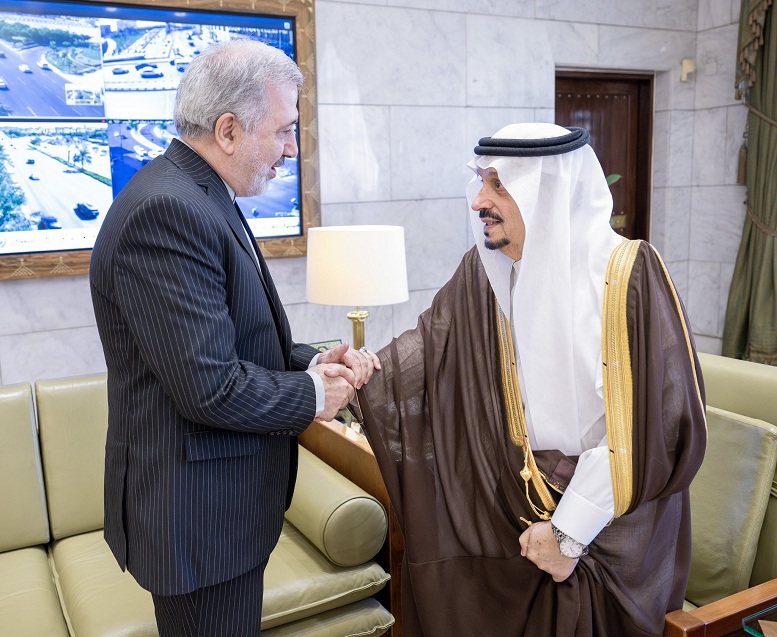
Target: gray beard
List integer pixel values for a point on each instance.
(259, 184)
(260, 180)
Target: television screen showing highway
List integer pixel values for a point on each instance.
(86, 99)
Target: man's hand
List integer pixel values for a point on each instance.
(338, 387)
(539, 545)
(361, 363)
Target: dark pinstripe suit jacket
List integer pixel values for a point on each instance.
(205, 390)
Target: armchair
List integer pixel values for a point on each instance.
(733, 503)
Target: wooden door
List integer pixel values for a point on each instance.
(617, 110)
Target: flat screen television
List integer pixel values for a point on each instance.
(86, 99)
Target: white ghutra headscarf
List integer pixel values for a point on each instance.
(556, 311)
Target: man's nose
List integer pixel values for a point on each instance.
(480, 201)
(290, 148)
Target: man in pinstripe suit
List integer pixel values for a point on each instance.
(207, 391)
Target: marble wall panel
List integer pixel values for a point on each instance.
(662, 121)
(487, 7)
(663, 14)
(509, 63)
(708, 344)
(593, 11)
(50, 354)
(381, 3)
(289, 278)
(574, 44)
(679, 161)
(429, 152)
(678, 224)
(663, 84)
(644, 49)
(389, 55)
(726, 275)
(717, 215)
(671, 93)
(676, 14)
(713, 13)
(406, 314)
(658, 221)
(709, 147)
(435, 234)
(35, 305)
(716, 67)
(354, 153)
(736, 123)
(547, 115)
(311, 323)
(484, 122)
(703, 299)
(736, 7)
(678, 270)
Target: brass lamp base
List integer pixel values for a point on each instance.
(358, 317)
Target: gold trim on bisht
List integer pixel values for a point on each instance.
(616, 361)
(616, 372)
(516, 421)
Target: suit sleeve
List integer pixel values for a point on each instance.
(301, 355)
(171, 284)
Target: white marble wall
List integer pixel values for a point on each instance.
(405, 89)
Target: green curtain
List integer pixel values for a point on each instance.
(750, 330)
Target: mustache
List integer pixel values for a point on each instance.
(279, 163)
(483, 213)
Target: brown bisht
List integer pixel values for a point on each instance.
(436, 417)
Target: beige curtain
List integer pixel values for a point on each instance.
(750, 330)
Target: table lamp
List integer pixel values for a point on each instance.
(356, 266)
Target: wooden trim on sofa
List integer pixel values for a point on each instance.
(349, 453)
(723, 617)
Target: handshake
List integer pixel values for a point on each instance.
(343, 370)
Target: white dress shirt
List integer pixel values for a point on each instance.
(588, 503)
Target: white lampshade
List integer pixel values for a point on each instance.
(356, 266)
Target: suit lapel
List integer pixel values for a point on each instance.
(206, 178)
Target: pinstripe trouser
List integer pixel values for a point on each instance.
(229, 609)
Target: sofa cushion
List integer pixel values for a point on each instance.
(344, 522)
(300, 581)
(23, 521)
(728, 500)
(99, 599)
(366, 617)
(28, 598)
(73, 420)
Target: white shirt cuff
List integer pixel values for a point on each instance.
(579, 518)
(319, 384)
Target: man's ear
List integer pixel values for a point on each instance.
(227, 130)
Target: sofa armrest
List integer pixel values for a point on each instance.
(343, 521)
(723, 617)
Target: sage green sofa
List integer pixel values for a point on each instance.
(58, 577)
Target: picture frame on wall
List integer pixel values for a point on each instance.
(87, 89)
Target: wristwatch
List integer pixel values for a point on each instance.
(569, 546)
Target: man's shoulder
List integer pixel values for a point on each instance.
(160, 178)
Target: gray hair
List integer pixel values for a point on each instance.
(230, 78)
